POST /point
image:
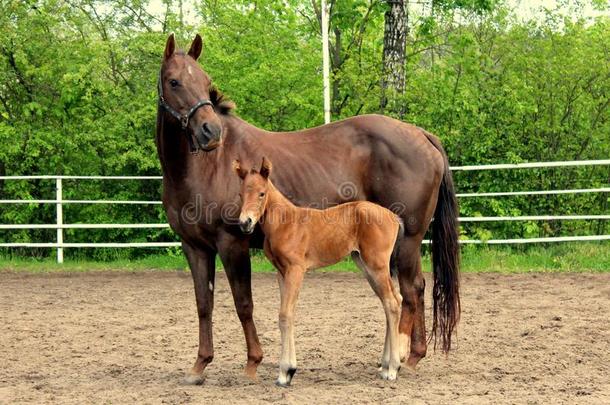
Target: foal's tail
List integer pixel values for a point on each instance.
(445, 258)
(394, 257)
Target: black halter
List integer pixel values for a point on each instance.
(182, 118)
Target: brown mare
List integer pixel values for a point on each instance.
(301, 239)
(375, 158)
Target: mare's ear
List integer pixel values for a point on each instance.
(266, 168)
(238, 169)
(170, 46)
(196, 47)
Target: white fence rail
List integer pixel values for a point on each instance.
(60, 226)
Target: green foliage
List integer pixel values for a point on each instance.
(496, 90)
(266, 59)
(78, 96)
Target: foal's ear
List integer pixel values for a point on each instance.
(170, 46)
(238, 169)
(196, 47)
(266, 168)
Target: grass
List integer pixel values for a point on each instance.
(579, 257)
(575, 257)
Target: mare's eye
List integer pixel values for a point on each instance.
(174, 83)
(261, 195)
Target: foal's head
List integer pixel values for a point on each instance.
(253, 193)
(187, 96)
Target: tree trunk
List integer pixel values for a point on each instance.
(394, 58)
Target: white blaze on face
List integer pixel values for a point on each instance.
(190, 70)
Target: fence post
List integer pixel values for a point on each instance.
(60, 220)
(325, 61)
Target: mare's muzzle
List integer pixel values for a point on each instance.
(208, 136)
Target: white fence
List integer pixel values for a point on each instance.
(59, 244)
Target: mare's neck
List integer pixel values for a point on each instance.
(172, 147)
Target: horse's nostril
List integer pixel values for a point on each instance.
(206, 129)
(211, 131)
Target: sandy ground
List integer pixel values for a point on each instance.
(129, 337)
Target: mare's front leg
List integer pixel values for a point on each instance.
(235, 256)
(290, 284)
(201, 262)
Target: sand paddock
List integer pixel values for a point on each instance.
(120, 337)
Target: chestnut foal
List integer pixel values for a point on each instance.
(299, 239)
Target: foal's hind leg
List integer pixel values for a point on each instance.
(385, 357)
(290, 284)
(377, 271)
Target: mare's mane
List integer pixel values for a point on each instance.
(222, 104)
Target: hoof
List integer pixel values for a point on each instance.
(289, 374)
(193, 379)
(411, 368)
(411, 363)
(388, 375)
(250, 372)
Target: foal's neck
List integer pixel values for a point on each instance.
(276, 196)
(279, 210)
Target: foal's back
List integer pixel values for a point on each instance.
(331, 234)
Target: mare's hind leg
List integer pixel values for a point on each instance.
(290, 283)
(412, 328)
(377, 271)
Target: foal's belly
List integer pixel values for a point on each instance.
(324, 256)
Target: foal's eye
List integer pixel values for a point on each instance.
(174, 83)
(261, 195)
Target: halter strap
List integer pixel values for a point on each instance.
(183, 119)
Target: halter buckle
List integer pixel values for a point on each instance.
(184, 121)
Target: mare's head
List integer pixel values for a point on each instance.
(186, 95)
(253, 193)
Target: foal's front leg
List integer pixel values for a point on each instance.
(290, 283)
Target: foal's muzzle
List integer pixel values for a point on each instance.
(247, 225)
